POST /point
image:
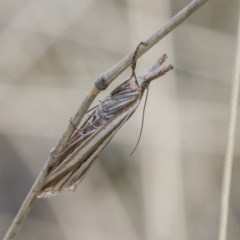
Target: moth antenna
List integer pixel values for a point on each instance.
(134, 59)
(141, 130)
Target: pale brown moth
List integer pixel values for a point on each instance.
(97, 131)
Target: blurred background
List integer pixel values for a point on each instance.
(51, 52)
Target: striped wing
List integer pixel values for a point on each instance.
(92, 137)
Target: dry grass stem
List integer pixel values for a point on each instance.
(228, 163)
(101, 83)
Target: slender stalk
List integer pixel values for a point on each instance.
(104, 80)
(101, 83)
(227, 174)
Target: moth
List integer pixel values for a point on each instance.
(96, 132)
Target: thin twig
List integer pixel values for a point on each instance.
(101, 83)
(104, 80)
(227, 174)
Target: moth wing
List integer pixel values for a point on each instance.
(71, 171)
(94, 135)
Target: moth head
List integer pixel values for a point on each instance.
(158, 69)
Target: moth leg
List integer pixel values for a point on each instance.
(73, 125)
(134, 59)
(55, 155)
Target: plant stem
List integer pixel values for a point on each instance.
(176, 20)
(228, 163)
(101, 83)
